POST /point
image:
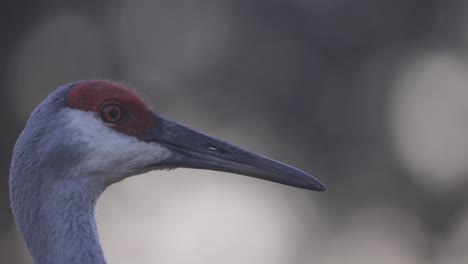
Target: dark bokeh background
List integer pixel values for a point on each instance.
(368, 95)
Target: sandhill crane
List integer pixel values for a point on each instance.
(88, 135)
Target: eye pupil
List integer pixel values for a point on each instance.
(111, 113)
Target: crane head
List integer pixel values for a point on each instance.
(106, 131)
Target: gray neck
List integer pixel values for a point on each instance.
(53, 205)
(57, 222)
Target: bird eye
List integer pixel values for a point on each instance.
(112, 113)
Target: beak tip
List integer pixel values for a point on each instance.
(322, 188)
(318, 186)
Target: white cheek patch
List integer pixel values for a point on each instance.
(109, 152)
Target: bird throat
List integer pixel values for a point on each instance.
(63, 229)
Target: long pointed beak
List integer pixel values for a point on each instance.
(192, 149)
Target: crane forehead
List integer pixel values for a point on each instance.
(91, 95)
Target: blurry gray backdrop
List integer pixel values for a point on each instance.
(370, 96)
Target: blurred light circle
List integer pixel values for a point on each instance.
(428, 119)
(61, 50)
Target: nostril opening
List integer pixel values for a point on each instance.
(214, 149)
